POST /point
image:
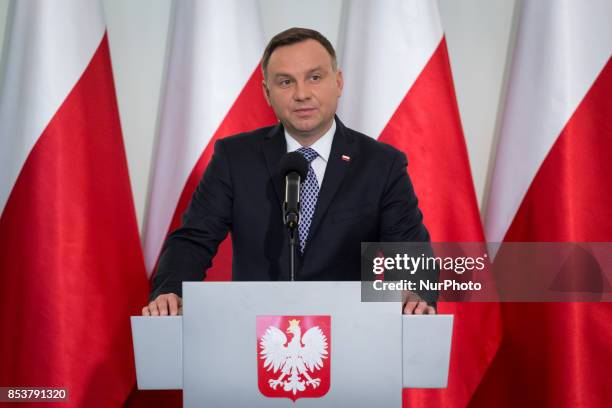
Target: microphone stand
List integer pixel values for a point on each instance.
(292, 216)
(291, 222)
(292, 253)
(295, 169)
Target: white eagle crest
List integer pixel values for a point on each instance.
(297, 363)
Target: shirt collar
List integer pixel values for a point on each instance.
(321, 146)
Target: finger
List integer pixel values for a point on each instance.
(173, 305)
(145, 311)
(153, 308)
(162, 305)
(420, 308)
(430, 310)
(409, 307)
(408, 296)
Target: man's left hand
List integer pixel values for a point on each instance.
(418, 307)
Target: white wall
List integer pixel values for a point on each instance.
(137, 33)
(478, 34)
(3, 11)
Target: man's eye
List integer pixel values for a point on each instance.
(316, 77)
(285, 82)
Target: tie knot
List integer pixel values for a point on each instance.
(308, 153)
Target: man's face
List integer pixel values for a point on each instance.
(303, 88)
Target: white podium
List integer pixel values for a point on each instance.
(286, 344)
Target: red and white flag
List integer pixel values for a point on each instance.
(71, 267)
(552, 182)
(399, 89)
(212, 90)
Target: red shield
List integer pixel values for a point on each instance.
(293, 356)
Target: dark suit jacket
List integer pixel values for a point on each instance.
(369, 198)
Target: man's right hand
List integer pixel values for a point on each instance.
(168, 304)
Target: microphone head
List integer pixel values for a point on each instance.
(294, 162)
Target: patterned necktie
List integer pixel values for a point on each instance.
(309, 192)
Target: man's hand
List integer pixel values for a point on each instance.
(168, 304)
(413, 304)
(418, 307)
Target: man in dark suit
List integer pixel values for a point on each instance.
(357, 188)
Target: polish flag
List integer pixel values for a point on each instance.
(399, 89)
(212, 90)
(71, 267)
(552, 182)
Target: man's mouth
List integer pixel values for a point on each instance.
(304, 111)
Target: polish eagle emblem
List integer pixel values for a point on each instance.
(295, 362)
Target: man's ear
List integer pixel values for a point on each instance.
(266, 91)
(339, 81)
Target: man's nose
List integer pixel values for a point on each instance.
(302, 91)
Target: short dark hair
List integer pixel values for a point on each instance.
(293, 36)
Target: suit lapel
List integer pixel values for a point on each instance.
(342, 145)
(274, 147)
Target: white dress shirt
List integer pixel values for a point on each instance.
(321, 146)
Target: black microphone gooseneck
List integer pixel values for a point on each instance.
(294, 168)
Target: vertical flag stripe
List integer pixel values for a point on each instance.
(71, 269)
(397, 63)
(552, 69)
(214, 49)
(421, 126)
(32, 95)
(562, 347)
(551, 183)
(439, 168)
(569, 198)
(399, 89)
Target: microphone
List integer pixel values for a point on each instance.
(294, 168)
